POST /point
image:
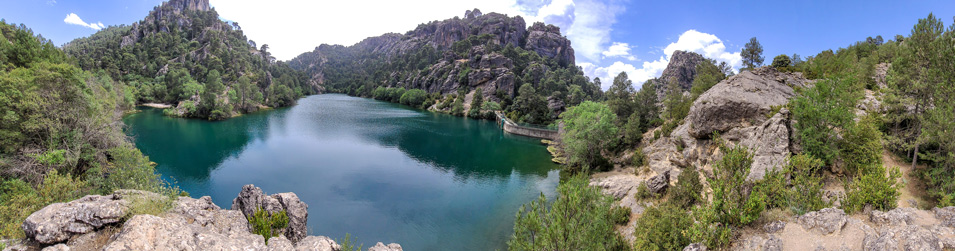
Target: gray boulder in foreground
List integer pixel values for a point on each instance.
(252, 198)
(99, 222)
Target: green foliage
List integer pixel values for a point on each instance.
(531, 106)
(620, 215)
(797, 187)
(348, 244)
(476, 102)
(782, 62)
(732, 202)
(413, 97)
(184, 54)
(861, 146)
(19, 199)
(687, 190)
(677, 105)
(579, 219)
(752, 54)
(876, 188)
(633, 130)
(708, 74)
(267, 224)
(620, 96)
(638, 159)
(589, 130)
(819, 111)
(643, 193)
(663, 228)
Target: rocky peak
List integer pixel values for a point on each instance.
(472, 13)
(196, 5)
(547, 41)
(681, 70)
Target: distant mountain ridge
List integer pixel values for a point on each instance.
(494, 52)
(182, 53)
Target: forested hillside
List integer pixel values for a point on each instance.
(183, 54)
(529, 73)
(60, 133)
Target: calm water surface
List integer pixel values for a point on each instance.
(377, 170)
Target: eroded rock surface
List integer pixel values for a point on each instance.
(252, 198)
(96, 223)
(60, 221)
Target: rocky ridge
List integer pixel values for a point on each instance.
(480, 66)
(681, 70)
(97, 222)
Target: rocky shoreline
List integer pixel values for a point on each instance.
(98, 222)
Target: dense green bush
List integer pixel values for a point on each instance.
(18, 199)
(620, 215)
(732, 201)
(588, 130)
(687, 190)
(579, 219)
(797, 187)
(819, 111)
(413, 97)
(861, 146)
(876, 188)
(663, 228)
(267, 224)
(782, 62)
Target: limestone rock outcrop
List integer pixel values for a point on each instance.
(60, 221)
(97, 223)
(742, 100)
(251, 198)
(680, 70)
(546, 40)
(832, 229)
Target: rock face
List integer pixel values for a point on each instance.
(742, 100)
(547, 41)
(831, 229)
(681, 70)
(252, 198)
(60, 221)
(191, 224)
(658, 184)
(458, 62)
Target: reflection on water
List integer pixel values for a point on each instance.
(376, 170)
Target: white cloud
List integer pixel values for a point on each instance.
(705, 44)
(72, 18)
(292, 27)
(619, 50)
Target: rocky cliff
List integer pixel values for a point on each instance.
(108, 222)
(491, 51)
(681, 70)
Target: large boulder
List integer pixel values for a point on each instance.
(742, 100)
(60, 221)
(251, 198)
(659, 183)
(546, 40)
(769, 142)
(382, 247)
(825, 221)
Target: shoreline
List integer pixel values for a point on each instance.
(156, 105)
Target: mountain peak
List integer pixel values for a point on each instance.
(197, 5)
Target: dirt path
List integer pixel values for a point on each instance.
(914, 190)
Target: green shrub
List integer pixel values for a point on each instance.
(18, 199)
(638, 159)
(348, 244)
(733, 203)
(413, 97)
(861, 146)
(589, 130)
(633, 130)
(707, 229)
(800, 194)
(579, 219)
(782, 62)
(663, 228)
(819, 111)
(687, 190)
(874, 188)
(620, 215)
(268, 225)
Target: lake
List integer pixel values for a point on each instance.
(377, 170)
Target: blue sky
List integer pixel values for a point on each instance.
(609, 36)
